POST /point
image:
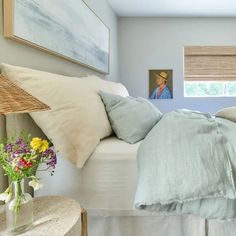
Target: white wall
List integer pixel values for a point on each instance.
(152, 43)
(19, 54)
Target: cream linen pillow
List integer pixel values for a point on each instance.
(227, 113)
(78, 119)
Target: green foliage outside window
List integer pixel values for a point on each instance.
(210, 89)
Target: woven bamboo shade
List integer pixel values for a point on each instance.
(210, 63)
(13, 99)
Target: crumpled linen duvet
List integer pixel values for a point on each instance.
(187, 165)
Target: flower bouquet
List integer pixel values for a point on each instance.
(20, 158)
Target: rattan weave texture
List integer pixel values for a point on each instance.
(14, 99)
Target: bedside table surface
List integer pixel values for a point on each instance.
(53, 215)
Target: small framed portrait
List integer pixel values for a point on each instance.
(160, 84)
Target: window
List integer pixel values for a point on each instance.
(209, 71)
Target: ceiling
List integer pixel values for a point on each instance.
(174, 8)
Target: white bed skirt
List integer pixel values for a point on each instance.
(146, 226)
(158, 226)
(222, 227)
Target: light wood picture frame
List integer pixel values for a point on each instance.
(68, 29)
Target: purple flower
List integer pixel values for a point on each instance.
(49, 157)
(9, 147)
(18, 152)
(19, 141)
(22, 151)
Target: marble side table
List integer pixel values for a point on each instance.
(53, 215)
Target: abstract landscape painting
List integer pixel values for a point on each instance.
(65, 27)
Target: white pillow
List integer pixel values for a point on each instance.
(78, 118)
(227, 113)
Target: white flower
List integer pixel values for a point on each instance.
(6, 196)
(35, 184)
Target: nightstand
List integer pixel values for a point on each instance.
(54, 215)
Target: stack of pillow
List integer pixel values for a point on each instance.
(77, 120)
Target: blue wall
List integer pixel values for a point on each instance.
(157, 43)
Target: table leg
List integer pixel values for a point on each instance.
(84, 223)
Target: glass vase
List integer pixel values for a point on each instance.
(19, 210)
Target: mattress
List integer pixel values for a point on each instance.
(107, 181)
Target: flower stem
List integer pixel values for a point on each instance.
(18, 195)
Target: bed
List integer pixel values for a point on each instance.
(106, 187)
(106, 184)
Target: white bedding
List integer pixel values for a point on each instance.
(107, 181)
(106, 187)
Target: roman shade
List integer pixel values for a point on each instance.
(210, 63)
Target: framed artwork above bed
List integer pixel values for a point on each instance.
(69, 29)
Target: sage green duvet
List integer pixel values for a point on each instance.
(187, 165)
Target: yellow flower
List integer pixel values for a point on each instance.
(39, 144)
(36, 143)
(44, 146)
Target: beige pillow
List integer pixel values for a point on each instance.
(78, 119)
(227, 113)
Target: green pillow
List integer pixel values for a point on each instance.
(131, 118)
